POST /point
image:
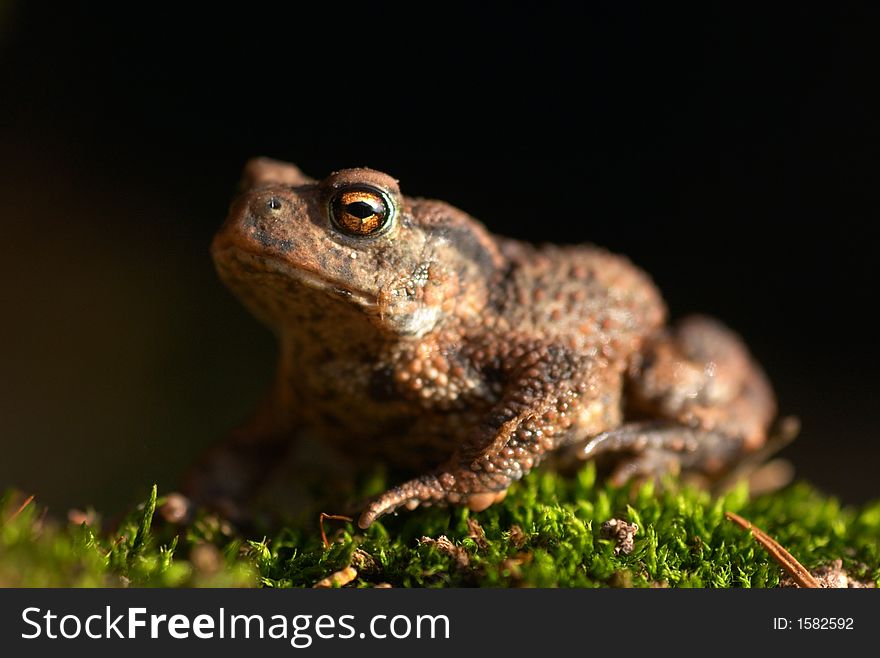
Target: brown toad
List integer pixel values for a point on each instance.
(411, 335)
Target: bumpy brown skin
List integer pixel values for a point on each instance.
(437, 347)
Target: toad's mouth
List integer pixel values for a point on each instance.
(239, 267)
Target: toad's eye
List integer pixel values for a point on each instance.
(361, 211)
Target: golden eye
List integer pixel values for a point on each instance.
(361, 211)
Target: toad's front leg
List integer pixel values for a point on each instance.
(546, 391)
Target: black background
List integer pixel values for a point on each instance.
(733, 156)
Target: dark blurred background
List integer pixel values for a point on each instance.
(735, 157)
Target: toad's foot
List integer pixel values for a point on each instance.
(441, 488)
(664, 448)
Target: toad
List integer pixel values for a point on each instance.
(411, 335)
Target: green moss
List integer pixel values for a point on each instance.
(546, 533)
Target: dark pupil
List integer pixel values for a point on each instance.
(360, 209)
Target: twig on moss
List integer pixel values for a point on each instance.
(332, 517)
(786, 560)
(21, 508)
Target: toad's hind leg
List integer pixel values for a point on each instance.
(702, 404)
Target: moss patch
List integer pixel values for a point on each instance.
(546, 533)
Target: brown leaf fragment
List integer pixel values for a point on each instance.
(365, 563)
(444, 545)
(476, 532)
(518, 536)
(512, 564)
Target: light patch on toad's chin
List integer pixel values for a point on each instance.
(415, 324)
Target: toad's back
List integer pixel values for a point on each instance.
(594, 302)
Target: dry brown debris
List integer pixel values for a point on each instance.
(444, 545)
(831, 576)
(518, 536)
(338, 579)
(622, 532)
(476, 532)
